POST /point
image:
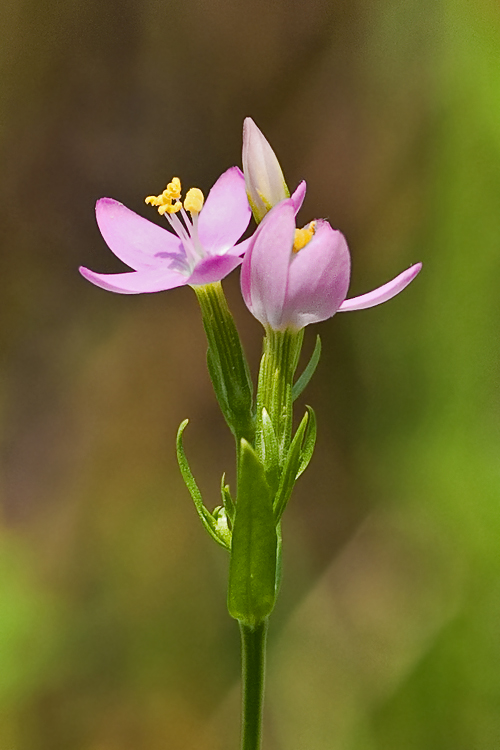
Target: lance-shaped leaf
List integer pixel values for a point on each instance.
(309, 442)
(309, 371)
(227, 500)
(290, 469)
(210, 523)
(279, 559)
(252, 570)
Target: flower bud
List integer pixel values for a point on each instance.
(264, 180)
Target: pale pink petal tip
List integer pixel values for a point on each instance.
(135, 282)
(383, 293)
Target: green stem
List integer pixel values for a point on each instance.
(253, 656)
(226, 361)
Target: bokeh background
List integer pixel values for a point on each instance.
(113, 629)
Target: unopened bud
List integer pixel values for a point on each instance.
(264, 180)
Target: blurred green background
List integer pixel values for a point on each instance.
(113, 629)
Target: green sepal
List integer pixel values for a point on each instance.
(270, 451)
(290, 469)
(252, 570)
(309, 442)
(309, 371)
(211, 524)
(227, 500)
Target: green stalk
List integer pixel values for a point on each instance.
(280, 356)
(227, 364)
(253, 652)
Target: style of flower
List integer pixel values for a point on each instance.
(293, 277)
(201, 249)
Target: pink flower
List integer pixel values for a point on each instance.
(202, 250)
(290, 278)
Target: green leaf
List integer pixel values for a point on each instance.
(227, 499)
(279, 560)
(309, 442)
(208, 521)
(309, 371)
(252, 570)
(290, 469)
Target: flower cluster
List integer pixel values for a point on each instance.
(290, 277)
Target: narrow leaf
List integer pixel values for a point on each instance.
(290, 468)
(309, 371)
(208, 521)
(252, 570)
(227, 499)
(279, 559)
(309, 442)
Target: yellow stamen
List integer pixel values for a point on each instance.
(194, 200)
(174, 188)
(303, 236)
(168, 202)
(170, 209)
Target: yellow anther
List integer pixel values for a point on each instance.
(174, 188)
(170, 208)
(194, 200)
(167, 202)
(303, 236)
(154, 200)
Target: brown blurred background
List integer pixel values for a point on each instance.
(113, 629)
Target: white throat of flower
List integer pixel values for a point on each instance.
(169, 205)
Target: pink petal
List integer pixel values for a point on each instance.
(137, 282)
(298, 195)
(265, 265)
(213, 268)
(318, 278)
(241, 248)
(226, 213)
(136, 241)
(383, 293)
